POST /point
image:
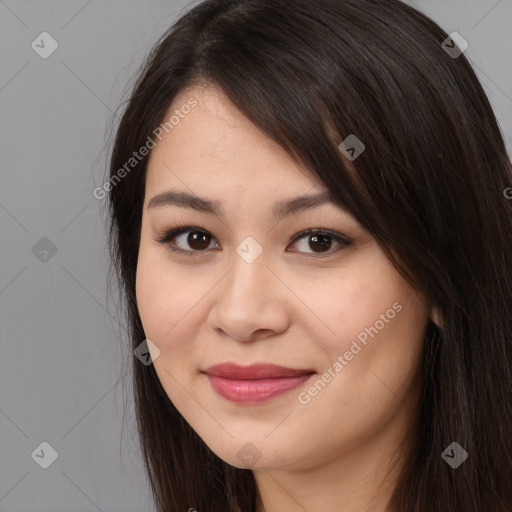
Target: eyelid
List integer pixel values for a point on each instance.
(169, 234)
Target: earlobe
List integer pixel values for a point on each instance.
(435, 316)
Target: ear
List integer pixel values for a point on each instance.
(435, 316)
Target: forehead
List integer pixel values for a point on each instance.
(215, 148)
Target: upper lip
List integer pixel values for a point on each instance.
(253, 371)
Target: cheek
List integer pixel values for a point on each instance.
(360, 298)
(374, 320)
(165, 300)
(358, 395)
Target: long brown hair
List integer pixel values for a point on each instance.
(429, 187)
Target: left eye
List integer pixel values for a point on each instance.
(322, 240)
(318, 240)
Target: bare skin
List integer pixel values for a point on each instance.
(294, 306)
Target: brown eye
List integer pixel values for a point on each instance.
(198, 240)
(320, 241)
(192, 241)
(186, 240)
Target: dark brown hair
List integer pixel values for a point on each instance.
(429, 187)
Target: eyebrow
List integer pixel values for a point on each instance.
(280, 210)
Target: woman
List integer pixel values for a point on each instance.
(309, 224)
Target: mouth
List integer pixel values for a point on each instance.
(256, 383)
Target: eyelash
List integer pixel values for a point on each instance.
(168, 236)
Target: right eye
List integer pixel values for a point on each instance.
(197, 239)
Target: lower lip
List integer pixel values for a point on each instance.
(255, 391)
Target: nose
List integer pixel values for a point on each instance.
(250, 302)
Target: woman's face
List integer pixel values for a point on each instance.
(245, 289)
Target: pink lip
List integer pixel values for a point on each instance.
(255, 383)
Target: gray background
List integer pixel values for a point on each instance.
(61, 361)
